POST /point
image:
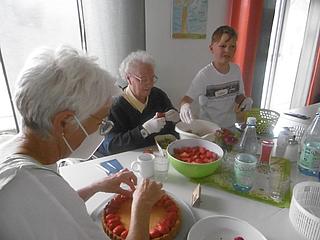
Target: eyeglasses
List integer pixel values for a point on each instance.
(105, 126)
(146, 80)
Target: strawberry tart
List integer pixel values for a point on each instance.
(164, 224)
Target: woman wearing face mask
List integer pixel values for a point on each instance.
(63, 98)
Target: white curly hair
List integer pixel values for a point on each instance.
(132, 59)
(57, 80)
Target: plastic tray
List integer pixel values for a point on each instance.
(222, 179)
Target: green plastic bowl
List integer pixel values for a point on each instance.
(194, 170)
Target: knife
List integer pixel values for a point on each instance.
(297, 115)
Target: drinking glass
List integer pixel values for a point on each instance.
(244, 172)
(279, 184)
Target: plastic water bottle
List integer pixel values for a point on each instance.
(309, 161)
(282, 142)
(249, 142)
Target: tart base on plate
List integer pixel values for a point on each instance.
(165, 219)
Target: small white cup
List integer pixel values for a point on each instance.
(144, 165)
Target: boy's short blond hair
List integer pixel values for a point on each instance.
(217, 34)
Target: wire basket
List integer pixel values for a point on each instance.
(304, 209)
(298, 131)
(266, 120)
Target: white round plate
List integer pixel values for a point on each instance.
(187, 216)
(223, 228)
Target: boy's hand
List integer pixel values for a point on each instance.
(172, 116)
(246, 104)
(185, 113)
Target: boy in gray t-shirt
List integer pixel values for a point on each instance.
(219, 85)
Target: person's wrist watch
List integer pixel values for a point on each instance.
(144, 133)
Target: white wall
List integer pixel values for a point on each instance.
(178, 60)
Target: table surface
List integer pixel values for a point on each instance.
(288, 121)
(272, 222)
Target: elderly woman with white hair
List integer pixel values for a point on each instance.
(64, 100)
(142, 111)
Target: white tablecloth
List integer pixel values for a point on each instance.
(271, 221)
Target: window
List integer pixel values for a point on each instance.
(284, 51)
(26, 25)
(7, 121)
(112, 30)
(291, 54)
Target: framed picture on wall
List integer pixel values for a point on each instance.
(189, 19)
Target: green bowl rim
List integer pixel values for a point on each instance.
(201, 164)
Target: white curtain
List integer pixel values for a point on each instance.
(114, 28)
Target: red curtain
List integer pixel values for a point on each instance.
(245, 17)
(314, 90)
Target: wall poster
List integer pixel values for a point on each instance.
(189, 19)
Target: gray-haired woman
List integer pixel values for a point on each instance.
(64, 100)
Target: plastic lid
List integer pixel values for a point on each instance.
(251, 121)
(293, 140)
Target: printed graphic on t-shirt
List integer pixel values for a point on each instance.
(223, 90)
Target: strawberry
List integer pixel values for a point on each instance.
(163, 228)
(160, 114)
(111, 216)
(155, 233)
(124, 234)
(195, 154)
(118, 229)
(238, 238)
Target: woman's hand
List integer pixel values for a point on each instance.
(147, 193)
(144, 197)
(112, 183)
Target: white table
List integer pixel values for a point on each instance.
(273, 222)
(289, 121)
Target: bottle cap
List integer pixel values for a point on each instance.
(269, 143)
(251, 121)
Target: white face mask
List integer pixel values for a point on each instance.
(88, 146)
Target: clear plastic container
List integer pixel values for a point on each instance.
(263, 167)
(292, 150)
(266, 149)
(304, 209)
(161, 168)
(282, 142)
